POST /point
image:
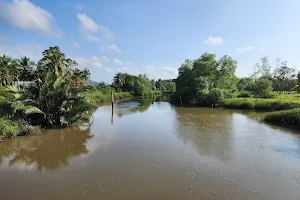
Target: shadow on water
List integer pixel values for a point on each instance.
(47, 151)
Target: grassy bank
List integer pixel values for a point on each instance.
(286, 117)
(276, 104)
(97, 96)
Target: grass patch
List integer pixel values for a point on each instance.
(260, 104)
(8, 128)
(95, 97)
(289, 117)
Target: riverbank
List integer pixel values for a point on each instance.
(259, 104)
(285, 108)
(10, 128)
(285, 117)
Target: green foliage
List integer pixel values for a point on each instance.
(165, 85)
(55, 96)
(214, 97)
(8, 70)
(8, 128)
(238, 104)
(138, 85)
(26, 68)
(244, 94)
(262, 88)
(142, 86)
(245, 84)
(98, 96)
(259, 104)
(205, 81)
(291, 117)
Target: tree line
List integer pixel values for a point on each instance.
(206, 81)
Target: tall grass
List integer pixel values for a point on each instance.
(290, 117)
(97, 96)
(260, 104)
(8, 128)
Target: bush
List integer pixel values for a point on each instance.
(214, 97)
(262, 88)
(244, 94)
(291, 117)
(263, 105)
(30, 130)
(8, 129)
(229, 94)
(239, 103)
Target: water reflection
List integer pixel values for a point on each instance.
(48, 151)
(139, 105)
(205, 129)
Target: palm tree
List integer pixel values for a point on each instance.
(26, 69)
(53, 96)
(55, 62)
(119, 80)
(9, 71)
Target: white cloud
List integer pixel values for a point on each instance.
(245, 49)
(95, 61)
(214, 40)
(25, 15)
(76, 44)
(161, 72)
(263, 50)
(117, 61)
(88, 24)
(92, 38)
(111, 47)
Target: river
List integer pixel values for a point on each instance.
(152, 150)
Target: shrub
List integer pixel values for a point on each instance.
(263, 105)
(238, 103)
(291, 117)
(214, 97)
(8, 128)
(262, 88)
(30, 130)
(244, 94)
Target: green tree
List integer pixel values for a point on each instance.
(119, 81)
(26, 67)
(283, 74)
(262, 88)
(263, 69)
(197, 78)
(9, 72)
(245, 83)
(54, 97)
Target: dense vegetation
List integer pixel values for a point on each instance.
(54, 93)
(207, 81)
(140, 85)
(47, 94)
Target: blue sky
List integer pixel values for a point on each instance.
(151, 36)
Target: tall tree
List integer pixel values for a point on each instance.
(26, 67)
(53, 96)
(9, 71)
(283, 74)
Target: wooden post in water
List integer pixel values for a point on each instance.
(180, 101)
(112, 107)
(112, 99)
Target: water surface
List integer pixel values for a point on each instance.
(151, 150)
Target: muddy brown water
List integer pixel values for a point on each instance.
(155, 151)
